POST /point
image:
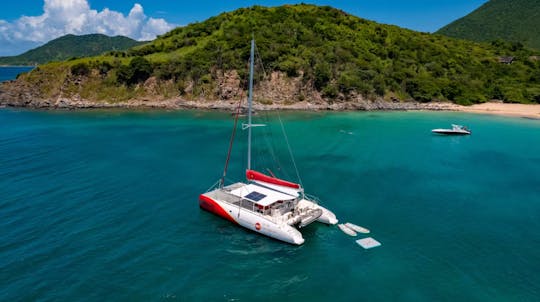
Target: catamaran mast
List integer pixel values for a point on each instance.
(250, 99)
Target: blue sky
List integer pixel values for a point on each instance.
(28, 23)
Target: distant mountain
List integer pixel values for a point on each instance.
(509, 20)
(70, 46)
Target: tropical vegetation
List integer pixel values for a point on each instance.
(70, 47)
(328, 50)
(514, 21)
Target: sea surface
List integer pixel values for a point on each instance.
(103, 206)
(11, 72)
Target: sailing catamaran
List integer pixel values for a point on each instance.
(265, 204)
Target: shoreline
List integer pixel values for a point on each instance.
(531, 111)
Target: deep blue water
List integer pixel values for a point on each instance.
(103, 205)
(11, 72)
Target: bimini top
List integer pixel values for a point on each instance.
(260, 195)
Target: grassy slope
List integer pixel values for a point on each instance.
(509, 20)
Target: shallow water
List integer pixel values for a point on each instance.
(103, 205)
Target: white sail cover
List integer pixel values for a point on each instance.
(282, 189)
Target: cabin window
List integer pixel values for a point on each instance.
(248, 204)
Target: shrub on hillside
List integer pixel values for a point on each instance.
(80, 69)
(138, 70)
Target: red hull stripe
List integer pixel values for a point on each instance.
(208, 204)
(254, 175)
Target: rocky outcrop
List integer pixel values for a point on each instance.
(228, 85)
(278, 92)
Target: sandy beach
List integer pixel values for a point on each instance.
(518, 110)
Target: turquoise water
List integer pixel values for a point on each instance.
(103, 206)
(11, 72)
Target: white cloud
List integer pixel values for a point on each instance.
(61, 17)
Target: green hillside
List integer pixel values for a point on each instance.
(70, 46)
(509, 20)
(328, 52)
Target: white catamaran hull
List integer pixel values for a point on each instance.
(255, 222)
(327, 216)
(280, 230)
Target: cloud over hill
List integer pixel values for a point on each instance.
(61, 17)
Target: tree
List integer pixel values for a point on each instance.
(138, 70)
(141, 69)
(323, 74)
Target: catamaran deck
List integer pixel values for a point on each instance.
(223, 194)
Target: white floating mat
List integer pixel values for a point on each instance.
(357, 228)
(368, 243)
(346, 230)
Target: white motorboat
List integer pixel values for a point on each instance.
(456, 130)
(264, 204)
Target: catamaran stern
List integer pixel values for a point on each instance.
(327, 217)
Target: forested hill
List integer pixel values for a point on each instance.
(310, 53)
(508, 20)
(70, 46)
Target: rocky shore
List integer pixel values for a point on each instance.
(16, 96)
(274, 97)
(179, 103)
